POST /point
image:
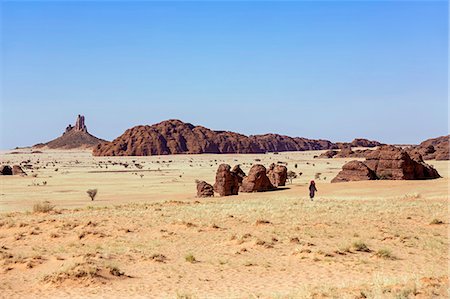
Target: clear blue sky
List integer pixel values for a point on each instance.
(334, 70)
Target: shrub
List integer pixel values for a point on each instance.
(436, 221)
(92, 193)
(190, 258)
(43, 207)
(385, 254)
(291, 175)
(360, 246)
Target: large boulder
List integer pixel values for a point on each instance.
(354, 171)
(239, 173)
(277, 174)
(5, 170)
(227, 182)
(204, 189)
(17, 170)
(328, 154)
(257, 180)
(434, 148)
(390, 162)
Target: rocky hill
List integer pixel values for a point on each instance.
(74, 137)
(177, 137)
(433, 149)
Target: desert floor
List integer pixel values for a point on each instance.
(147, 235)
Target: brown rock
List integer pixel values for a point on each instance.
(328, 154)
(277, 174)
(17, 170)
(227, 182)
(5, 170)
(240, 174)
(390, 162)
(177, 137)
(204, 189)
(434, 148)
(257, 180)
(354, 171)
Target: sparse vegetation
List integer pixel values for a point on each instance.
(92, 193)
(190, 258)
(385, 254)
(43, 207)
(360, 246)
(436, 221)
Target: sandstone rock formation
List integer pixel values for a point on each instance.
(204, 189)
(328, 154)
(5, 170)
(239, 173)
(354, 171)
(74, 137)
(277, 175)
(17, 170)
(257, 180)
(390, 162)
(177, 137)
(359, 142)
(435, 148)
(227, 182)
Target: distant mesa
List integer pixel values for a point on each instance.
(176, 137)
(74, 137)
(358, 142)
(433, 149)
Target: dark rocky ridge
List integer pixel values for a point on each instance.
(176, 137)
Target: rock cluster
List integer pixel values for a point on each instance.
(358, 142)
(387, 162)
(14, 170)
(231, 181)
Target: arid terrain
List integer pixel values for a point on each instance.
(147, 235)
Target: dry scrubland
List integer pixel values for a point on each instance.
(146, 235)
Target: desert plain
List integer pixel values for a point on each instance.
(146, 235)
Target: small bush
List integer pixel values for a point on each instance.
(360, 246)
(43, 207)
(436, 221)
(190, 258)
(92, 193)
(385, 254)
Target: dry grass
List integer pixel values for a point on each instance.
(43, 207)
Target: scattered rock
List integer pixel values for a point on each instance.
(257, 180)
(204, 189)
(5, 170)
(239, 173)
(227, 182)
(354, 171)
(277, 174)
(17, 170)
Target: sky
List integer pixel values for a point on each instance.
(325, 69)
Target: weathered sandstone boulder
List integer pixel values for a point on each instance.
(277, 174)
(227, 182)
(240, 174)
(5, 170)
(17, 170)
(328, 154)
(354, 171)
(390, 162)
(204, 189)
(257, 180)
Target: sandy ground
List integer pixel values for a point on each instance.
(146, 235)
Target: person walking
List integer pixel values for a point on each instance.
(312, 190)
